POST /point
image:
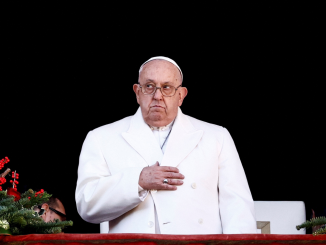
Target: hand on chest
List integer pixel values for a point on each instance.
(197, 165)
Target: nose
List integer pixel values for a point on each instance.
(158, 94)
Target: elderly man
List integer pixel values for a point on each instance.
(161, 171)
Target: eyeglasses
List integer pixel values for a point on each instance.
(166, 90)
(52, 209)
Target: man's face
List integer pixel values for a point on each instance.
(158, 110)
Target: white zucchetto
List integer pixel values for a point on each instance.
(162, 58)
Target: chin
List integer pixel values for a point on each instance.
(156, 117)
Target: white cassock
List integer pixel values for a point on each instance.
(214, 199)
(162, 135)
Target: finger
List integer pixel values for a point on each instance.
(172, 175)
(157, 163)
(167, 187)
(169, 169)
(175, 182)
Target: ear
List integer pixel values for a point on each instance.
(182, 94)
(136, 89)
(45, 206)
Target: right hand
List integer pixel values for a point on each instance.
(151, 178)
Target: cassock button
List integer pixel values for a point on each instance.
(150, 224)
(193, 185)
(200, 221)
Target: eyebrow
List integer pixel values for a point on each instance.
(150, 80)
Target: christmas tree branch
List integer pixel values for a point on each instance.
(320, 231)
(312, 222)
(22, 219)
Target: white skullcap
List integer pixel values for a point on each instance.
(162, 58)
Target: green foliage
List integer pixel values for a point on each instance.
(47, 228)
(320, 231)
(39, 199)
(23, 219)
(314, 222)
(6, 201)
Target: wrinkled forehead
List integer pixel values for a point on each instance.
(162, 58)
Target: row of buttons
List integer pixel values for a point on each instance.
(194, 186)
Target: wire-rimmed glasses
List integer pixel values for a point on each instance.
(166, 90)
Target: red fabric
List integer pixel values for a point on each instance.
(74, 239)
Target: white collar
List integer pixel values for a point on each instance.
(141, 138)
(161, 128)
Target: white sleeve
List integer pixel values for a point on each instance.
(99, 195)
(235, 200)
(142, 193)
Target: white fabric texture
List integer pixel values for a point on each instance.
(214, 199)
(161, 134)
(142, 193)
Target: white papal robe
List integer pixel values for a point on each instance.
(214, 199)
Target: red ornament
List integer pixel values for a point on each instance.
(3, 162)
(13, 192)
(2, 180)
(40, 193)
(14, 182)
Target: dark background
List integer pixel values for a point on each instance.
(256, 68)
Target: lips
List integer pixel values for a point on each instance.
(157, 108)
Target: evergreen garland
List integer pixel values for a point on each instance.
(19, 218)
(314, 222)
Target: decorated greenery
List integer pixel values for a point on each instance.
(18, 217)
(318, 221)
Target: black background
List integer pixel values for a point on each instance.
(256, 68)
